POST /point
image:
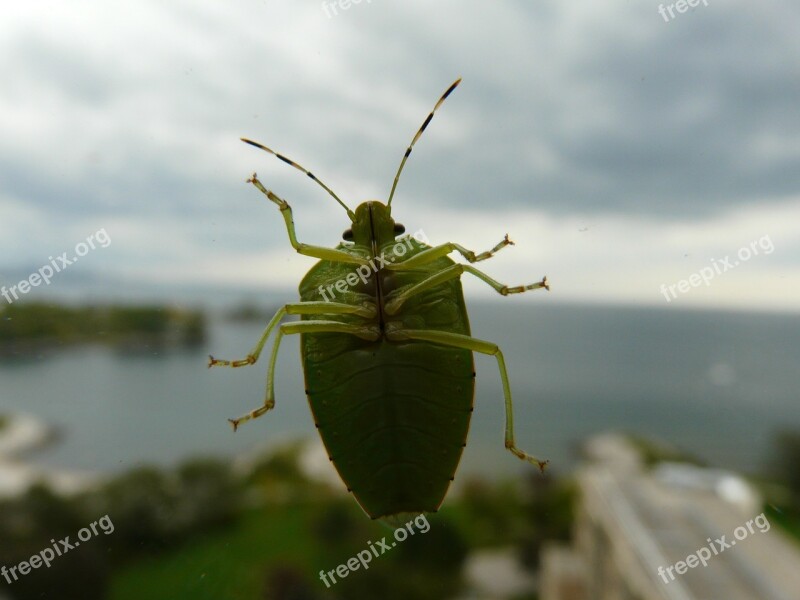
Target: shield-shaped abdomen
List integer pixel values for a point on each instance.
(393, 417)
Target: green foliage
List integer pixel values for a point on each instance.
(424, 566)
(193, 327)
(654, 452)
(339, 528)
(152, 509)
(38, 514)
(550, 513)
(491, 514)
(143, 503)
(277, 478)
(194, 532)
(279, 465)
(208, 494)
(440, 550)
(788, 520)
(44, 323)
(783, 494)
(41, 321)
(144, 319)
(526, 516)
(786, 461)
(27, 526)
(289, 582)
(224, 564)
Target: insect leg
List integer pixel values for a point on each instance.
(436, 252)
(305, 249)
(303, 308)
(367, 332)
(253, 355)
(466, 342)
(453, 272)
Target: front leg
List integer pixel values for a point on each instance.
(305, 249)
(431, 254)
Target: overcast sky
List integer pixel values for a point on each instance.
(620, 149)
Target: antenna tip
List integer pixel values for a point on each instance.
(453, 86)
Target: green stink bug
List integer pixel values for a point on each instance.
(388, 365)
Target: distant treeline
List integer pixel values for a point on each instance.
(37, 324)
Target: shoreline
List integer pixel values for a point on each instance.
(21, 435)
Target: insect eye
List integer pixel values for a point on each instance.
(347, 236)
(399, 229)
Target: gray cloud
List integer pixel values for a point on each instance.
(571, 110)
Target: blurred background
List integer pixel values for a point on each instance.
(645, 157)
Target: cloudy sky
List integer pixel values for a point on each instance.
(620, 149)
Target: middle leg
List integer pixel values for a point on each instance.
(453, 272)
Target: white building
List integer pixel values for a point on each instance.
(677, 532)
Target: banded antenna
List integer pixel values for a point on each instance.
(416, 137)
(289, 161)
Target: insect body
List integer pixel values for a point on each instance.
(387, 354)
